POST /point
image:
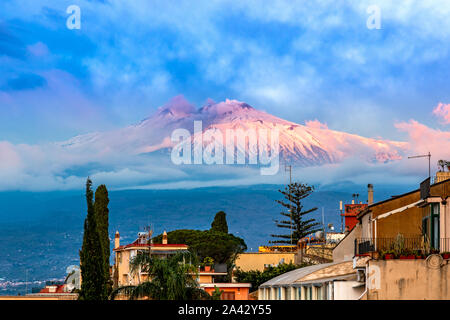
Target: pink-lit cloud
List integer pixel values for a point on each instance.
(316, 124)
(423, 139)
(442, 111)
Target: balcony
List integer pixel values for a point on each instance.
(399, 246)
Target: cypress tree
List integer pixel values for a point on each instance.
(300, 227)
(102, 215)
(92, 262)
(220, 222)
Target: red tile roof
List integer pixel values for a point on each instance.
(59, 289)
(353, 209)
(153, 245)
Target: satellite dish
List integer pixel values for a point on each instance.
(72, 268)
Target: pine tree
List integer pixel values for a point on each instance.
(220, 222)
(299, 227)
(92, 262)
(102, 220)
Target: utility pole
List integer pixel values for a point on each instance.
(323, 220)
(429, 161)
(289, 168)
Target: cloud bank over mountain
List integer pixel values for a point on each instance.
(298, 60)
(138, 156)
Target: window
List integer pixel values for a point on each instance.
(435, 225)
(279, 293)
(228, 295)
(299, 292)
(425, 229)
(430, 225)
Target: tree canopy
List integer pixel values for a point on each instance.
(92, 255)
(220, 222)
(102, 220)
(296, 223)
(222, 247)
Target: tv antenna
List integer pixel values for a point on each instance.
(429, 161)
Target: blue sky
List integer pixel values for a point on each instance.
(299, 60)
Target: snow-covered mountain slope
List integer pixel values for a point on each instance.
(303, 145)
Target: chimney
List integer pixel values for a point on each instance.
(117, 240)
(164, 239)
(370, 194)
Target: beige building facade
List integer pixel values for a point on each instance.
(409, 279)
(262, 260)
(124, 254)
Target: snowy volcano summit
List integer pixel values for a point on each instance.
(303, 145)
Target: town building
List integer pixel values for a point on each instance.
(415, 224)
(397, 249)
(260, 261)
(329, 281)
(122, 275)
(405, 241)
(60, 290)
(350, 215)
(314, 248)
(206, 276)
(231, 291)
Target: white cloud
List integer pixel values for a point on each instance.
(111, 158)
(442, 111)
(424, 139)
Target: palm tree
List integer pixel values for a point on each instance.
(173, 278)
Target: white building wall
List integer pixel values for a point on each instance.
(343, 290)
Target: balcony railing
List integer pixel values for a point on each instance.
(368, 245)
